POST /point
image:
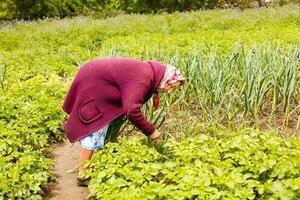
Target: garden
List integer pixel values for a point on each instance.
(231, 132)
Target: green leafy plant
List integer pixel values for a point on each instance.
(30, 119)
(243, 165)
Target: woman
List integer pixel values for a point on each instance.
(105, 89)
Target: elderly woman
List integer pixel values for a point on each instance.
(105, 89)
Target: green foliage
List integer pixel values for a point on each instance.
(39, 59)
(244, 165)
(30, 118)
(166, 5)
(115, 129)
(34, 9)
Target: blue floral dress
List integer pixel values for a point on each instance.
(95, 140)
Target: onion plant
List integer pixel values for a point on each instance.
(248, 86)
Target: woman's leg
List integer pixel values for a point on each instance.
(84, 155)
(88, 146)
(91, 144)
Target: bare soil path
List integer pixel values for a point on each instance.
(66, 158)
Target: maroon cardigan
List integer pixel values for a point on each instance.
(105, 89)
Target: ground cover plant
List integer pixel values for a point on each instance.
(244, 165)
(242, 71)
(30, 119)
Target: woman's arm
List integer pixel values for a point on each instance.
(133, 96)
(155, 136)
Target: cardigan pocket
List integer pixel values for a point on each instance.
(89, 112)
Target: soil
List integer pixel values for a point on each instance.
(66, 156)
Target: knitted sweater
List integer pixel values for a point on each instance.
(105, 89)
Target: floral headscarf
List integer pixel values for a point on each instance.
(171, 76)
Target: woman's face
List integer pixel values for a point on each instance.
(170, 88)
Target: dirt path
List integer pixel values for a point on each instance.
(66, 158)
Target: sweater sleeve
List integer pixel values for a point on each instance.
(133, 96)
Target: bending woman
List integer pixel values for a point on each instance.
(105, 89)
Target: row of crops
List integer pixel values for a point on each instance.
(244, 165)
(30, 119)
(242, 71)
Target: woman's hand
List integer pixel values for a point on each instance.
(155, 136)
